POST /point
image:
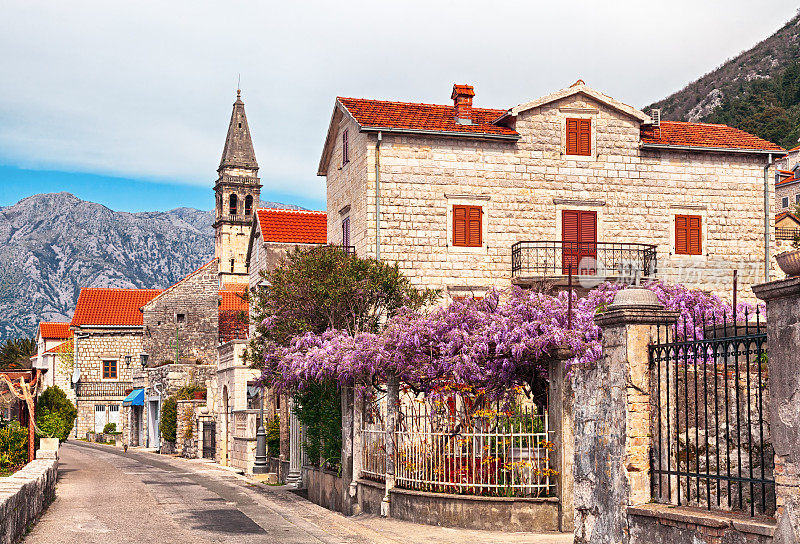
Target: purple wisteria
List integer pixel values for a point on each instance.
(495, 344)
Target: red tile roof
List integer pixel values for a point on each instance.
(232, 301)
(795, 148)
(704, 135)
(240, 287)
(423, 117)
(62, 347)
(54, 330)
(233, 313)
(784, 181)
(111, 306)
(293, 226)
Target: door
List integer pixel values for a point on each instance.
(209, 439)
(113, 415)
(579, 241)
(152, 424)
(100, 418)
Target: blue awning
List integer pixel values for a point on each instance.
(136, 398)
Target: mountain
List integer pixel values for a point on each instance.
(757, 91)
(51, 245)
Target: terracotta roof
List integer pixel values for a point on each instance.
(54, 330)
(233, 314)
(784, 181)
(293, 226)
(62, 347)
(703, 135)
(795, 148)
(423, 117)
(232, 301)
(240, 287)
(111, 306)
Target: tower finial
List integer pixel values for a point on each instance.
(239, 86)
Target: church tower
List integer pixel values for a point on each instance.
(237, 191)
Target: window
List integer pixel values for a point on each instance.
(785, 202)
(688, 235)
(797, 198)
(180, 318)
(345, 148)
(346, 231)
(233, 263)
(579, 241)
(233, 204)
(467, 226)
(248, 205)
(579, 137)
(110, 370)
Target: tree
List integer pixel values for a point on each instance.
(55, 413)
(17, 353)
(169, 419)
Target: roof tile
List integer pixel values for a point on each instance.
(293, 226)
(55, 330)
(704, 135)
(98, 306)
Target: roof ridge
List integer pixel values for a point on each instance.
(290, 210)
(416, 103)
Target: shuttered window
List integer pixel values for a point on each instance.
(345, 148)
(579, 240)
(346, 231)
(579, 137)
(688, 235)
(467, 226)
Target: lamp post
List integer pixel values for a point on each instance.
(260, 466)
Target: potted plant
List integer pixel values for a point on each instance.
(789, 261)
(199, 394)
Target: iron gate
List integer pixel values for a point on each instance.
(710, 431)
(209, 440)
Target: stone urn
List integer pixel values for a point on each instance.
(789, 261)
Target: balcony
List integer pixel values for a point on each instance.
(591, 263)
(102, 389)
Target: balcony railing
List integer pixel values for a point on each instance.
(102, 389)
(786, 233)
(543, 259)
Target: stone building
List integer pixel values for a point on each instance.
(465, 198)
(48, 339)
(107, 331)
(787, 189)
(237, 197)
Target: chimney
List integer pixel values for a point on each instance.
(462, 103)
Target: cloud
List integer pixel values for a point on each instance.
(144, 89)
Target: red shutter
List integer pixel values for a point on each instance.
(570, 221)
(459, 225)
(584, 137)
(695, 235)
(572, 136)
(579, 239)
(474, 227)
(681, 234)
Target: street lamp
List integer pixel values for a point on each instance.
(260, 466)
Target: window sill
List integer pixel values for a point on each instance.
(578, 157)
(466, 250)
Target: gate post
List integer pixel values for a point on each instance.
(612, 419)
(392, 409)
(783, 338)
(560, 421)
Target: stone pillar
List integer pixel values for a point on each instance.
(346, 393)
(561, 424)
(295, 449)
(358, 448)
(392, 408)
(783, 338)
(612, 419)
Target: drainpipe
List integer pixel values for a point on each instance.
(766, 217)
(378, 196)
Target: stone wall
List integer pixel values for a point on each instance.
(196, 298)
(790, 191)
(170, 378)
(188, 442)
(522, 188)
(232, 375)
(24, 496)
(663, 524)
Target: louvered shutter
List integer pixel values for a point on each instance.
(570, 230)
(695, 235)
(681, 234)
(584, 137)
(459, 225)
(474, 229)
(572, 136)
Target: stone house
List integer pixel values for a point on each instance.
(465, 198)
(787, 189)
(107, 331)
(49, 337)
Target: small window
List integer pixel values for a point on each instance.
(180, 318)
(233, 264)
(233, 205)
(240, 125)
(346, 231)
(248, 205)
(110, 370)
(345, 148)
(579, 137)
(785, 202)
(688, 235)
(797, 198)
(467, 226)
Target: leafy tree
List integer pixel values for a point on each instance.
(55, 413)
(17, 353)
(317, 405)
(13, 446)
(169, 419)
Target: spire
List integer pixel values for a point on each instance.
(238, 151)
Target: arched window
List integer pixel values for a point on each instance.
(233, 204)
(248, 205)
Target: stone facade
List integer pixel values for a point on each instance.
(523, 186)
(187, 314)
(232, 376)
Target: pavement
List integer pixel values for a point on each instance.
(105, 495)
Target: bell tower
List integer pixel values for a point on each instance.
(237, 195)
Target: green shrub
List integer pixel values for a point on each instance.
(110, 428)
(274, 436)
(319, 407)
(187, 391)
(169, 419)
(53, 404)
(13, 446)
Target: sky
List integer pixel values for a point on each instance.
(127, 103)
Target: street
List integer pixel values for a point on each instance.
(105, 495)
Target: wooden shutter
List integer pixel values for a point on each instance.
(579, 137)
(467, 226)
(345, 148)
(579, 239)
(688, 235)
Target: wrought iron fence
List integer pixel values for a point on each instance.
(786, 233)
(441, 448)
(610, 260)
(710, 433)
(101, 389)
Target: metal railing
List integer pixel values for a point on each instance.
(607, 259)
(784, 233)
(710, 433)
(102, 389)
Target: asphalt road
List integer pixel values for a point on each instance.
(107, 496)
